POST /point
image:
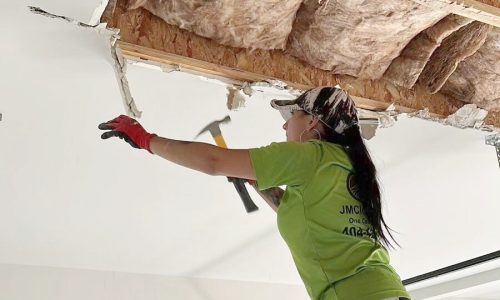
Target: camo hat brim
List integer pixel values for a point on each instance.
(332, 105)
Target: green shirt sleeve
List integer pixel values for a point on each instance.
(286, 163)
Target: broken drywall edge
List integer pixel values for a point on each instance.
(246, 88)
(235, 98)
(39, 11)
(494, 140)
(468, 116)
(275, 84)
(117, 59)
(385, 119)
(95, 19)
(120, 68)
(167, 68)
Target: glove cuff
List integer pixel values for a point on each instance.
(147, 142)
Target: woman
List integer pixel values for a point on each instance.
(330, 213)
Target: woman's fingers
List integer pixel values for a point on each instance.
(106, 126)
(110, 125)
(109, 134)
(121, 135)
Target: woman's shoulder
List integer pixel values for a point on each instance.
(328, 145)
(332, 152)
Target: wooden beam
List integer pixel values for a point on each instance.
(486, 11)
(146, 37)
(144, 54)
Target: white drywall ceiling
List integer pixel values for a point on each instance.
(69, 199)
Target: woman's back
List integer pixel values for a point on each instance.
(322, 222)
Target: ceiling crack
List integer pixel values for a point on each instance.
(117, 60)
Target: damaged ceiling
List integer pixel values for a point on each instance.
(391, 51)
(78, 203)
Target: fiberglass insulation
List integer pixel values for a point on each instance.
(358, 38)
(400, 41)
(406, 68)
(263, 24)
(477, 78)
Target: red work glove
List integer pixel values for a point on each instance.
(128, 129)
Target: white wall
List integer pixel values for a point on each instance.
(44, 283)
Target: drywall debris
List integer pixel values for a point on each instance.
(235, 98)
(280, 85)
(389, 117)
(423, 114)
(117, 59)
(468, 116)
(154, 65)
(494, 140)
(385, 118)
(370, 121)
(98, 12)
(170, 68)
(246, 88)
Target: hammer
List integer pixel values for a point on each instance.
(239, 183)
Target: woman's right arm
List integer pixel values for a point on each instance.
(272, 196)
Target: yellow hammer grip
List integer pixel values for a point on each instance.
(219, 140)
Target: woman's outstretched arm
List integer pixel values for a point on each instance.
(204, 157)
(198, 156)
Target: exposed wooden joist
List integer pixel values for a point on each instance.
(486, 11)
(146, 37)
(144, 54)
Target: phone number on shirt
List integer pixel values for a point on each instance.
(359, 232)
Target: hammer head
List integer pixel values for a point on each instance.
(214, 127)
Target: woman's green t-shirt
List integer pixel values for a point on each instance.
(323, 224)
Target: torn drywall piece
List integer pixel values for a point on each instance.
(385, 118)
(167, 68)
(117, 59)
(370, 121)
(98, 12)
(247, 89)
(120, 67)
(280, 85)
(144, 64)
(494, 140)
(235, 98)
(468, 116)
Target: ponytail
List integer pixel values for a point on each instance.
(365, 179)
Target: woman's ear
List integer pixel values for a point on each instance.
(313, 123)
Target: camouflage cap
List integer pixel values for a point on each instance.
(332, 105)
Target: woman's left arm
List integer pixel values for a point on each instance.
(202, 157)
(206, 158)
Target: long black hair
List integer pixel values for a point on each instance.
(365, 177)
